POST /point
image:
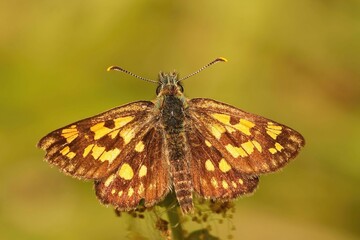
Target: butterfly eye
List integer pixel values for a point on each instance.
(181, 87)
(158, 89)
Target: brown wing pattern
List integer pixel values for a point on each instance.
(212, 175)
(143, 174)
(92, 148)
(249, 143)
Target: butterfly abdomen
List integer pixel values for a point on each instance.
(173, 118)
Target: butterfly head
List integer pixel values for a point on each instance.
(169, 84)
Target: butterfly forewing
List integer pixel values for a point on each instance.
(249, 143)
(142, 174)
(94, 147)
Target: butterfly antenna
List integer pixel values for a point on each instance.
(116, 68)
(219, 59)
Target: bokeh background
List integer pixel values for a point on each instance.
(297, 62)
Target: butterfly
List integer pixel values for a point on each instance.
(139, 152)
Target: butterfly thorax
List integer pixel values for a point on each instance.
(171, 102)
(172, 106)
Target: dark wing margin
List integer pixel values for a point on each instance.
(143, 174)
(94, 147)
(251, 144)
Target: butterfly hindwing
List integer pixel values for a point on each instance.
(251, 144)
(94, 147)
(142, 174)
(212, 175)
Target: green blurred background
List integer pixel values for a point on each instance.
(297, 62)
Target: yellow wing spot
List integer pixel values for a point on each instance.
(110, 155)
(235, 151)
(224, 166)
(233, 184)
(100, 130)
(72, 128)
(214, 182)
(127, 134)
(70, 139)
(141, 189)
(225, 184)
(87, 150)
(109, 180)
(209, 165)
(70, 133)
(126, 172)
(140, 146)
(247, 123)
(65, 150)
(142, 171)
(71, 155)
(208, 143)
(230, 129)
(113, 134)
(113, 191)
(257, 145)
(278, 147)
(272, 150)
(241, 181)
(151, 186)
(217, 130)
(223, 118)
(97, 151)
(120, 193)
(244, 126)
(248, 146)
(122, 121)
(271, 134)
(130, 192)
(273, 130)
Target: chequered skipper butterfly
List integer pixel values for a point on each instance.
(138, 152)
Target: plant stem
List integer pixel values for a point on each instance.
(174, 216)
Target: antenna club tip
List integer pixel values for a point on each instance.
(222, 59)
(112, 68)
